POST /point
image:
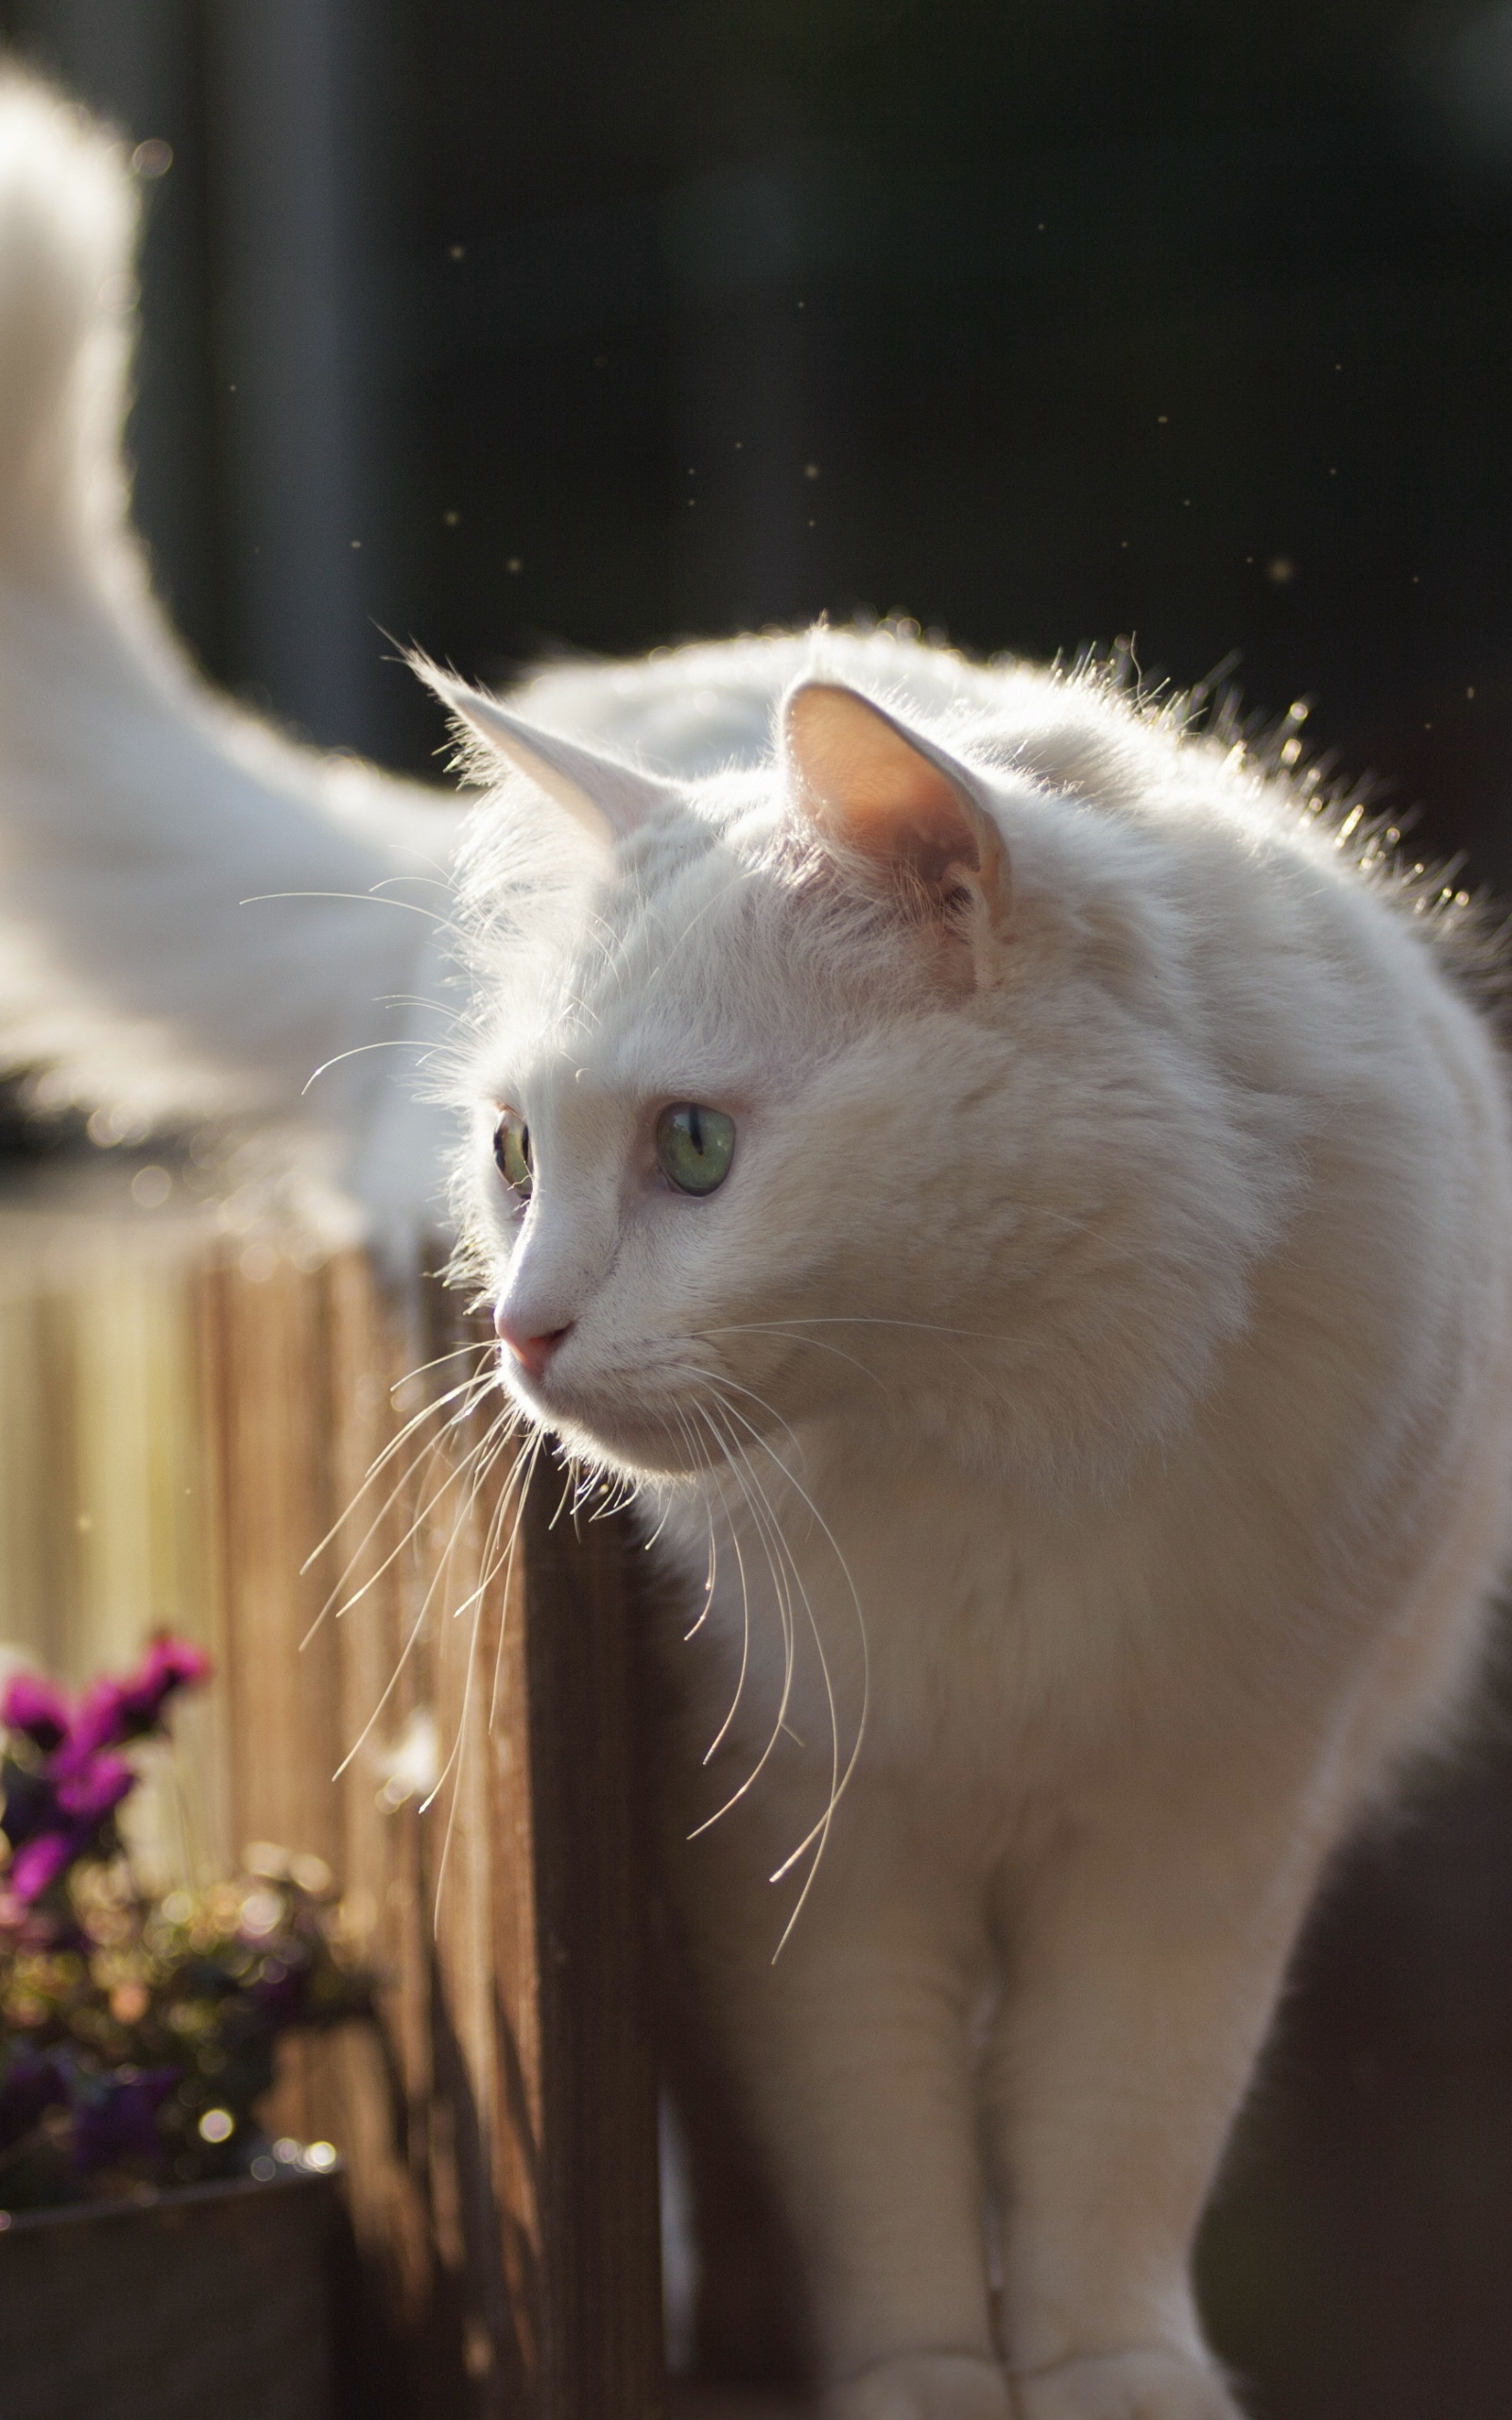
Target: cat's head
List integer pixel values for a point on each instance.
(825, 1085)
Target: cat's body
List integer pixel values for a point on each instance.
(1078, 1404)
(1102, 1351)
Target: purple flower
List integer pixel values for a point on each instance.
(171, 1663)
(32, 2084)
(37, 1708)
(60, 1824)
(86, 1797)
(56, 1814)
(118, 2118)
(37, 1867)
(116, 1710)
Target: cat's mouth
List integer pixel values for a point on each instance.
(657, 1413)
(607, 1418)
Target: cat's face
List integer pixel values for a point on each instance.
(799, 1097)
(703, 1141)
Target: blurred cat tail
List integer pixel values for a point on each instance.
(139, 810)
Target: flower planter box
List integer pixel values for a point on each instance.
(213, 2300)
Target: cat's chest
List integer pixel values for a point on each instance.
(960, 1628)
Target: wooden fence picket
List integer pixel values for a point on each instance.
(499, 2126)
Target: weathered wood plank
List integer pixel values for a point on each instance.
(499, 2129)
(599, 2203)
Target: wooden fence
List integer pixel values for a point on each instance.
(181, 1422)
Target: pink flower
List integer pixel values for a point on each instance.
(87, 1797)
(38, 1709)
(37, 1867)
(57, 1811)
(116, 1710)
(70, 1828)
(169, 1664)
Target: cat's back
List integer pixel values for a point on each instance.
(1232, 830)
(695, 710)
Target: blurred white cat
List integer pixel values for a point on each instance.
(1027, 1200)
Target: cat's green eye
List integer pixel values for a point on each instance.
(695, 1146)
(511, 1151)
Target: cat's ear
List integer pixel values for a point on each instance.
(607, 799)
(893, 796)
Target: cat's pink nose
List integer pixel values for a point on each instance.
(531, 1352)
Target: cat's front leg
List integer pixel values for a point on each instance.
(923, 2386)
(1138, 2384)
(1146, 1948)
(852, 2063)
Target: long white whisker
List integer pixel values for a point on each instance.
(785, 1611)
(765, 1511)
(569, 1475)
(718, 1739)
(418, 1420)
(700, 1462)
(526, 1455)
(362, 898)
(666, 1515)
(458, 1743)
(396, 1042)
(857, 1319)
(711, 1579)
(427, 1602)
(334, 1602)
(815, 1344)
(719, 1380)
(436, 1446)
(523, 1485)
(479, 1344)
(491, 1562)
(471, 1386)
(821, 1831)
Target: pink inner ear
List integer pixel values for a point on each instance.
(868, 785)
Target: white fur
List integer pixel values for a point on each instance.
(139, 810)
(1093, 1380)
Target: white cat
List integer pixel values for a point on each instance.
(1053, 1212)
(1032, 1204)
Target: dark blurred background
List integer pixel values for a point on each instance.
(594, 326)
